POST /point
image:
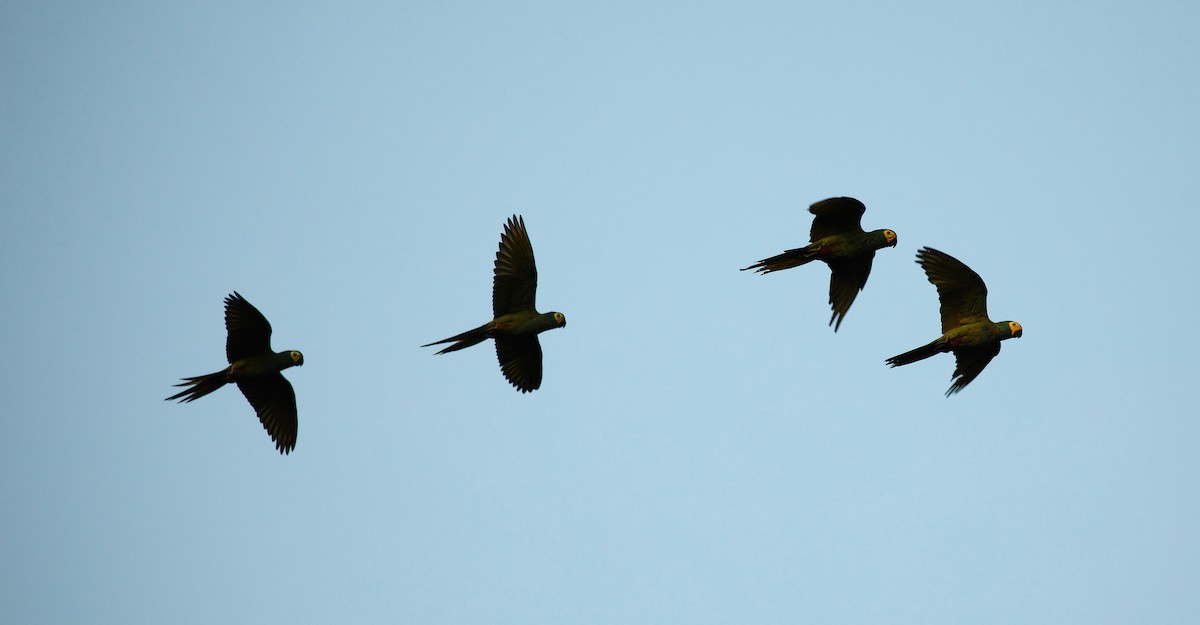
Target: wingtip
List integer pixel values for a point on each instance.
(838, 319)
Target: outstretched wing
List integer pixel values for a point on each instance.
(275, 402)
(249, 333)
(520, 360)
(848, 277)
(970, 363)
(836, 215)
(514, 285)
(961, 291)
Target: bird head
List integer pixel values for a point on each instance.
(1014, 328)
(890, 236)
(297, 358)
(560, 320)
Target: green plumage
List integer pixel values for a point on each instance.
(256, 371)
(966, 329)
(516, 321)
(837, 238)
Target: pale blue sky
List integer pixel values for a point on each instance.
(704, 449)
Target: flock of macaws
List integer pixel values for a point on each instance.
(836, 238)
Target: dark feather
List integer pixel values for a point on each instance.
(970, 362)
(848, 276)
(521, 361)
(464, 340)
(200, 386)
(961, 292)
(249, 333)
(275, 402)
(920, 353)
(514, 284)
(786, 260)
(836, 215)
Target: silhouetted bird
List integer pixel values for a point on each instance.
(517, 323)
(966, 329)
(256, 371)
(838, 239)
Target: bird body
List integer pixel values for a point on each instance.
(966, 329)
(256, 371)
(837, 238)
(832, 248)
(970, 336)
(855, 244)
(516, 321)
(265, 363)
(510, 325)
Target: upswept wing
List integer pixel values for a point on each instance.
(836, 215)
(961, 291)
(249, 333)
(514, 285)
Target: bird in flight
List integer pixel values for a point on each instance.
(256, 371)
(516, 321)
(966, 329)
(837, 238)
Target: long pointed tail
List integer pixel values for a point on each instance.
(464, 340)
(920, 353)
(201, 385)
(786, 260)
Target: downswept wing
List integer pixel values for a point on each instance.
(275, 402)
(249, 333)
(521, 361)
(847, 277)
(969, 363)
(961, 291)
(514, 284)
(836, 215)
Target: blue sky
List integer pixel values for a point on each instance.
(704, 449)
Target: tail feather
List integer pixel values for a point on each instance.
(920, 353)
(201, 385)
(786, 260)
(464, 340)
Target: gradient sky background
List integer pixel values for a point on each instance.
(704, 449)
